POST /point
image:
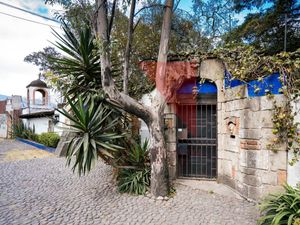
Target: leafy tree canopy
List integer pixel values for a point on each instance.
(266, 28)
(41, 58)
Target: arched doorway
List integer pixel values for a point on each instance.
(197, 130)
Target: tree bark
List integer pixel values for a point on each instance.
(159, 162)
(158, 157)
(153, 116)
(128, 47)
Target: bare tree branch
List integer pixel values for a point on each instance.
(128, 47)
(176, 5)
(129, 104)
(136, 24)
(112, 17)
(147, 7)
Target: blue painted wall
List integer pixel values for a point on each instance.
(269, 84)
(205, 88)
(37, 145)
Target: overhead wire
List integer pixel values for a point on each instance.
(27, 11)
(21, 18)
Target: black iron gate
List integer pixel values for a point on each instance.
(197, 138)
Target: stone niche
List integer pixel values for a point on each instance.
(244, 127)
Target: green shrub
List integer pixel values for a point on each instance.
(22, 131)
(134, 172)
(17, 130)
(282, 209)
(35, 137)
(134, 181)
(49, 139)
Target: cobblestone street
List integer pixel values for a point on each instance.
(44, 191)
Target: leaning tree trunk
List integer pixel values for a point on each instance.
(158, 157)
(153, 116)
(159, 162)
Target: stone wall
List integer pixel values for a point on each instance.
(3, 126)
(244, 161)
(171, 140)
(294, 170)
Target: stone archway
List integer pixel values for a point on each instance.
(44, 97)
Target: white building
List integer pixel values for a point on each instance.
(39, 112)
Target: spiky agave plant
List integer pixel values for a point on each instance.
(134, 172)
(95, 135)
(281, 209)
(78, 70)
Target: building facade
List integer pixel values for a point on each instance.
(221, 132)
(39, 113)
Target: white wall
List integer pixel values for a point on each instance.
(41, 124)
(62, 124)
(146, 100)
(293, 176)
(3, 126)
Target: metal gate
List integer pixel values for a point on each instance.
(197, 138)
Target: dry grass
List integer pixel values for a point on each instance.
(14, 155)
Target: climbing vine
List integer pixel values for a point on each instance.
(246, 63)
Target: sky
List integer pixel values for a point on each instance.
(18, 38)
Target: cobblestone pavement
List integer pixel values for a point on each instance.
(44, 191)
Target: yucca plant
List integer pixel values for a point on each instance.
(79, 70)
(134, 181)
(134, 168)
(93, 126)
(281, 209)
(134, 155)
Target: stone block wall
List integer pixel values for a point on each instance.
(244, 161)
(294, 170)
(171, 140)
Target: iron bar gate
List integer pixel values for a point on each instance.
(197, 139)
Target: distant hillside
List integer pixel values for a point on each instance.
(24, 101)
(3, 97)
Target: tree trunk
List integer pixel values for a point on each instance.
(153, 116)
(159, 162)
(128, 47)
(158, 157)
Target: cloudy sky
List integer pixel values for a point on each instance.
(19, 38)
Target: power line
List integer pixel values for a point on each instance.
(21, 18)
(24, 10)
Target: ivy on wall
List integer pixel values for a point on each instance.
(246, 63)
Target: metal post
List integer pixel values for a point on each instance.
(230, 29)
(285, 31)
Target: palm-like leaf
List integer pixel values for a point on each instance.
(282, 209)
(134, 173)
(93, 126)
(79, 69)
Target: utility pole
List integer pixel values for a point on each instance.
(285, 31)
(230, 29)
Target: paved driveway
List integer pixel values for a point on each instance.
(44, 191)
